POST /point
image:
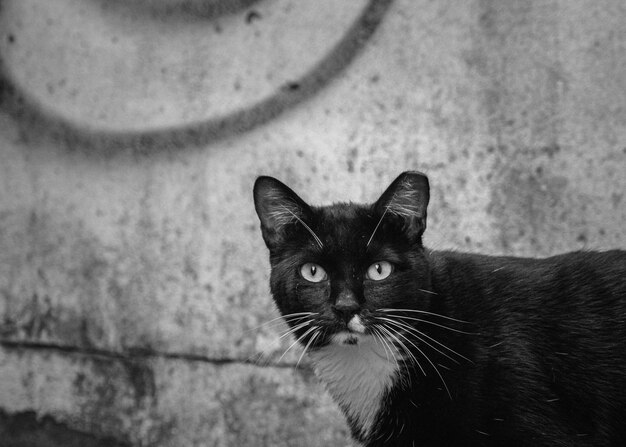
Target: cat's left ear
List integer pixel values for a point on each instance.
(406, 201)
(278, 208)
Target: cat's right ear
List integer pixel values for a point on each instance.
(278, 208)
(406, 201)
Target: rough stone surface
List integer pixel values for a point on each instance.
(133, 278)
(150, 401)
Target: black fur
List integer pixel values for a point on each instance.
(539, 358)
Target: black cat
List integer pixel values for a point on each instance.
(428, 348)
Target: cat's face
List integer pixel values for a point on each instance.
(336, 270)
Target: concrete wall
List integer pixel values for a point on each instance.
(132, 273)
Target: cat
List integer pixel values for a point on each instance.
(438, 348)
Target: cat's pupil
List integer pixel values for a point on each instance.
(313, 270)
(379, 269)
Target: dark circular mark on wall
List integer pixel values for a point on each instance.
(251, 16)
(37, 123)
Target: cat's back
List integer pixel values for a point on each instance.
(580, 289)
(580, 270)
(582, 265)
(550, 335)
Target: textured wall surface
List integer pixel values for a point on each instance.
(133, 278)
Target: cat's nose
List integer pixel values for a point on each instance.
(346, 306)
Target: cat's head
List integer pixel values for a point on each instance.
(336, 269)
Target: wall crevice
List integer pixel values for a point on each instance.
(134, 353)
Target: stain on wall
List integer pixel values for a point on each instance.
(134, 301)
(286, 93)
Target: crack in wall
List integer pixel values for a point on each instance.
(134, 353)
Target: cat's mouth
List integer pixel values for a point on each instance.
(349, 339)
(346, 338)
(355, 332)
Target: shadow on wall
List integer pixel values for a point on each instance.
(26, 430)
(42, 123)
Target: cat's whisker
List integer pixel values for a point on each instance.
(428, 291)
(282, 319)
(264, 357)
(417, 334)
(420, 334)
(376, 228)
(407, 353)
(425, 312)
(307, 332)
(317, 239)
(402, 317)
(431, 364)
(296, 315)
(389, 342)
(311, 339)
(405, 348)
(375, 332)
(438, 373)
(296, 328)
(378, 337)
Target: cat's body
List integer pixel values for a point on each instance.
(533, 380)
(430, 348)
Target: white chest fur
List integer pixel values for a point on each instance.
(357, 376)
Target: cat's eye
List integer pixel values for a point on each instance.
(379, 270)
(313, 272)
